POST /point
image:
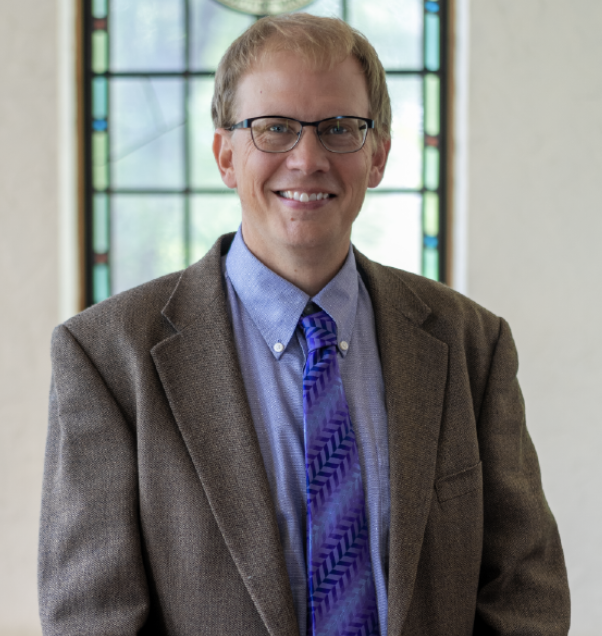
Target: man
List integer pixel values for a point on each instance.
(179, 496)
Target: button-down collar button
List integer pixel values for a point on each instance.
(278, 347)
(344, 345)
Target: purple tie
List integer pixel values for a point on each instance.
(341, 593)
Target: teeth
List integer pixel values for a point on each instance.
(303, 197)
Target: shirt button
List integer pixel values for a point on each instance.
(344, 345)
(278, 347)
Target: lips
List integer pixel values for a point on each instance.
(304, 197)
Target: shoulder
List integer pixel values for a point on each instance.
(128, 317)
(445, 303)
(470, 331)
(424, 300)
(145, 315)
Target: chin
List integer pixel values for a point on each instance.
(314, 240)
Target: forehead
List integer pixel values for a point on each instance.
(282, 83)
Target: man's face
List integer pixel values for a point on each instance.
(273, 225)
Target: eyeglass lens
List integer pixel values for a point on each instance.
(275, 134)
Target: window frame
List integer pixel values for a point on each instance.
(86, 189)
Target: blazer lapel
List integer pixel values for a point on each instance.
(415, 367)
(199, 370)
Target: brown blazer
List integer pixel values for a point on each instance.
(157, 516)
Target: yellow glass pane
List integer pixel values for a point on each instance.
(100, 51)
(431, 214)
(100, 165)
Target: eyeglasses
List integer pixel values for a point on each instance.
(273, 133)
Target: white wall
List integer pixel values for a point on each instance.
(534, 254)
(29, 302)
(533, 197)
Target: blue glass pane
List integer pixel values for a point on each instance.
(389, 229)
(147, 35)
(404, 167)
(101, 282)
(430, 263)
(213, 28)
(147, 238)
(431, 57)
(211, 215)
(203, 169)
(99, 8)
(394, 27)
(147, 133)
(99, 98)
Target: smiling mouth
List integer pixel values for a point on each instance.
(304, 197)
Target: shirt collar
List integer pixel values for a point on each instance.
(275, 305)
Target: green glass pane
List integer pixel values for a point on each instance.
(99, 98)
(147, 238)
(211, 215)
(147, 133)
(388, 229)
(431, 214)
(430, 263)
(431, 97)
(147, 35)
(100, 166)
(99, 8)
(213, 28)
(431, 168)
(100, 51)
(101, 282)
(404, 167)
(203, 169)
(394, 27)
(431, 52)
(101, 223)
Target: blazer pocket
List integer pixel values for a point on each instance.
(459, 484)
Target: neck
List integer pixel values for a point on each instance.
(309, 269)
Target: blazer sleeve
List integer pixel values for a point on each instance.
(523, 587)
(89, 537)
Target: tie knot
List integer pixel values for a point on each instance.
(320, 330)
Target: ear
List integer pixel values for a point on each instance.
(379, 161)
(222, 151)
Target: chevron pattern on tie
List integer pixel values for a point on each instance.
(341, 591)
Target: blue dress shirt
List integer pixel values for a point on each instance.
(265, 311)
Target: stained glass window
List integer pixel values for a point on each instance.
(155, 201)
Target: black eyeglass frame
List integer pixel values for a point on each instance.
(246, 123)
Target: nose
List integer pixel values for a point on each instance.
(309, 155)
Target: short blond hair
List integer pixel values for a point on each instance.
(320, 42)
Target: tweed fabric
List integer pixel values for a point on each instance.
(144, 530)
(265, 310)
(341, 597)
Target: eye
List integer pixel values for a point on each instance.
(278, 128)
(336, 129)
